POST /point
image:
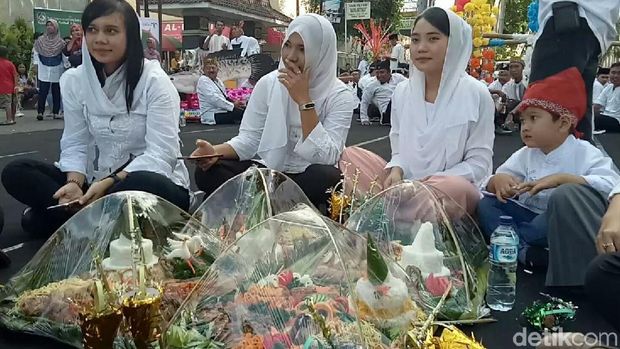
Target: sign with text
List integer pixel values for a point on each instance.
(332, 10)
(357, 10)
(64, 18)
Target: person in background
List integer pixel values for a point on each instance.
(365, 80)
(347, 69)
(397, 56)
(48, 48)
(176, 62)
(26, 89)
(376, 102)
(607, 105)
(540, 183)
(151, 52)
(8, 85)
(248, 45)
(574, 33)
(73, 49)
(363, 66)
(602, 78)
(217, 42)
(121, 129)
(296, 121)
(501, 112)
(213, 99)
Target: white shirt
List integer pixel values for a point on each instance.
(216, 42)
(609, 99)
(379, 94)
(363, 67)
(602, 16)
(398, 53)
(46, 73)
(597, 88)
(246, 84)
(365, 81)
(150, 131)
(249, 45)
(211, 96)
(514, 90)
(322, 146)
(496, 85)
(615, 191)
(576, 157)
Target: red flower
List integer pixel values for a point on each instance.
(383, 290)
(285, 278)
(436, 285)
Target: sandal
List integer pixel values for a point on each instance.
(6, 123)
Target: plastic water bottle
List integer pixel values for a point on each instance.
(182, 119)
(502, 278)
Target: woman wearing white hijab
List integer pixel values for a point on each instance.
(442, 118)
(121, 126)
(296, 120)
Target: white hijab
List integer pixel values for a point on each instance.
(321, 59)
(109, 99)
(426, 145)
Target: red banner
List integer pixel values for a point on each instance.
(173, 29)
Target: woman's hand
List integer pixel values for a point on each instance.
(96, 190)
(296, 82)
(395, 177)
(68, 192)
(204, 148)
(608, 239)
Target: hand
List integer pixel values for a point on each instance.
(239, 104)
(224, 46)
(204, 148)
(395, 177)
(296, 82)
(68, 192)
(96, 190)
(365, 123)
(608, 239)
(535, 187)
(509, 119)
(504, 186)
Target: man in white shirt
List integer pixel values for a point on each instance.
(363, 67)
(397, 58)
(515, 88)
(602, 78)
(607, 105)
(215, 106)
(365, 80)
(496, 89)
(574, 34)
(217, 42)
(377, 96)
(248, 45)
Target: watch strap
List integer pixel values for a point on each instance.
(307, 106)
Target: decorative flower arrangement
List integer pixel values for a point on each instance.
(376, 39)
(241, 94)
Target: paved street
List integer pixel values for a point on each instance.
(40, 140)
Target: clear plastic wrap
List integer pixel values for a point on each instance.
(83, 276)
(246, 200)
(435, 241)
(296, 279)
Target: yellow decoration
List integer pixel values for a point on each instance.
(495, 10)
(485, 42)
(477, 53)
(453, 8)
(453, 338)
(143, 316)
(477, 43)
(469, 7)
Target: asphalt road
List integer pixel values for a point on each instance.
(44, 145)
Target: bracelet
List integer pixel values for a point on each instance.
(73, 180)
(306, 106)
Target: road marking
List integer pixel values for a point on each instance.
(19, 154)
(207, 130)
(369, 141)
(13, 248)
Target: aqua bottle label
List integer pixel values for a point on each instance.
(503, 253)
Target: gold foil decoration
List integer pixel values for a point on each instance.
(143, 316)
(453, 338)
(100, 327)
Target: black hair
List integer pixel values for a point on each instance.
(437, 17)
(615, 65)
(134, 54)
(393, 36)
(4, 52)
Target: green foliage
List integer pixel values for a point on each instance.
(387, 11)
(516, 16)
(18, 38)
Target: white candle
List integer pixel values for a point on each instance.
(130, 213)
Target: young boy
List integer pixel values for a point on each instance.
(552, 161)
(8, 81)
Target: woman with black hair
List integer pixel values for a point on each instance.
(121, 125)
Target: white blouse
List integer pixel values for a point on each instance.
(211, 95)
(323, 145)
(97, 145)
(576, 157)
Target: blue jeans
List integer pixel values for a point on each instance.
(531, 227)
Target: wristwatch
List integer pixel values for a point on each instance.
(306, 106)
(115, 178)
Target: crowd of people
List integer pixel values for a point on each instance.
(121, 114)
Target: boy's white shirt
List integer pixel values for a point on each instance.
(576, 157)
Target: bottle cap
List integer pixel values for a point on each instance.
(505, 220)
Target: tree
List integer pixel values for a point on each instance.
(515, 18)
(18, 39)
(382, 10)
